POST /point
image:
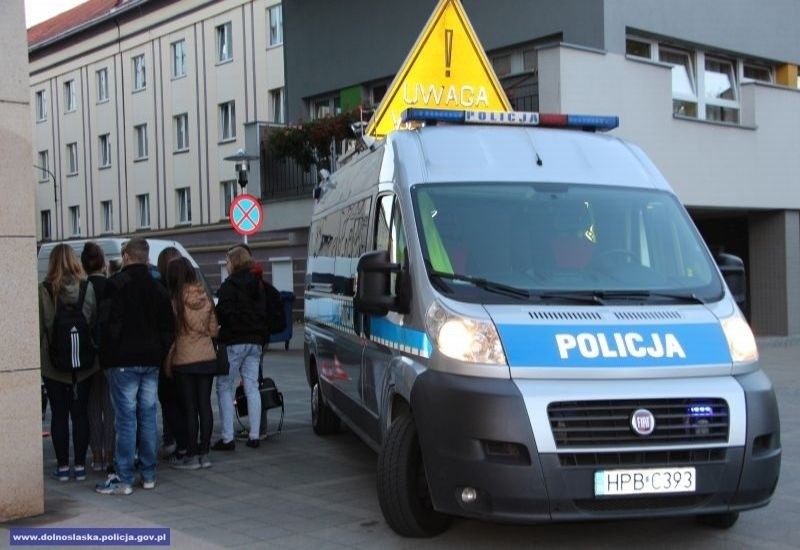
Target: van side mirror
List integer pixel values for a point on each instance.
(732, 268)
(373, 292)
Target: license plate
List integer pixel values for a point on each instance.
(646, 481)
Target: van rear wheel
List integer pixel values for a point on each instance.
(403, 491)
(323, 419)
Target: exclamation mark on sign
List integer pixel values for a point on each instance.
(448, 50)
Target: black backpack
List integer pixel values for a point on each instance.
(71, 345)
(276, 317)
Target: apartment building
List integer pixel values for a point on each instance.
(708, 89)
(135, 106)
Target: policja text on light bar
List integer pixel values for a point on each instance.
(511, 118)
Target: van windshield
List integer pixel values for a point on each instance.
(561, 243)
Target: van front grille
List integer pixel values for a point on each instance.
(581, 424)
(635, 459)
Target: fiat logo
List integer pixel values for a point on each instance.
(643, 422)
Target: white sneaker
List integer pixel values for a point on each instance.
(148, 484)
(205, 462)
(113, 486)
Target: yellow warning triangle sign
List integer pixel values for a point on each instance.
(446, 69)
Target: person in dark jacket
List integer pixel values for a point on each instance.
(241, 313)
(101, 412)
(137, 335)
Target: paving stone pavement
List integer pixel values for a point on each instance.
(302, 491)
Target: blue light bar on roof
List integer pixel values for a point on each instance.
(511, 118)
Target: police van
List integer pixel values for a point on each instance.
(520, 317)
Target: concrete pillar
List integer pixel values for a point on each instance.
(21, 484)
(774, 273)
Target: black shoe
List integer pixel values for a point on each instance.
(253, 443)
(222, 446)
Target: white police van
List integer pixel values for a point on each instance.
(525, 324)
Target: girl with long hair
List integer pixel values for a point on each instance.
(69, 398)
(192, 360)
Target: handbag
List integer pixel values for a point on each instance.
(223, 365)
(271, 398)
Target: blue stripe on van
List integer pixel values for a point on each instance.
(404, 339)
(614, 346)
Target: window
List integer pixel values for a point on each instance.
(530, 59)
(45, 220)
(179, 59)
(104, 151)
(502, 65)
(141, 141)
(684, 96)
(228, 194)
(720, 90)
(377, 93)
(72, 159)
(276, 105)
(139, 78)
(181, 132)
(75, 220)
(224, 43)
(638, 48)
(227, 121)
(389, 233)
(107, 213)
(70, 102)
(757, 72)
(184, 205)
(143, 210)
(275, 25)
(41, 105)
(44, 165)
(102, 85)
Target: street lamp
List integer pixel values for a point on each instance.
(55, 193)
(242, 166)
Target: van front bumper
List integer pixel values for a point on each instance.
(476, 433)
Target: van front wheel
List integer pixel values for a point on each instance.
(403, 491)
(323, 419)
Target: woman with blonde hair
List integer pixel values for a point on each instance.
(65, 285)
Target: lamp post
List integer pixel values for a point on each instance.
(242, 167)
(55, 194)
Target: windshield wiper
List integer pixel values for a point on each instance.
(580, 296)
(485, 284)
(686, 297)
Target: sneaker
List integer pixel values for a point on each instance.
(148, 484)
(168, 449)
(80, 473)
(113, 486)
(188, 463)
(253, 443)
(62, 474)
(176, 457)
(205, 462)
(221, 445)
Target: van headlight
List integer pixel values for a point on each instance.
(741, 342)
(463, 338)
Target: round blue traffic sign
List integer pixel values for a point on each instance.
(246, 214)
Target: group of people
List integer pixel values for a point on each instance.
(156, 331)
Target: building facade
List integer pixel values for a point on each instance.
(709, 90)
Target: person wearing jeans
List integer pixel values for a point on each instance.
(138, 330)
(241, 311)
(134, 393)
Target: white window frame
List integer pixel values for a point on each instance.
(75, 221)
(72, 158)
(744, 65)
(104, 150)
(228, 193)
(179, 58)
(45, 221)
(275, 24)
(139, 73)
(143, 210)
(102, 85)
(107, 216)
(227, 121)
(181, 123)
(712, 101)
(43, 158)
(41, 105)
(277, 105)
(224, 42)
(70, 96)
(183, 205)
(140, 131)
